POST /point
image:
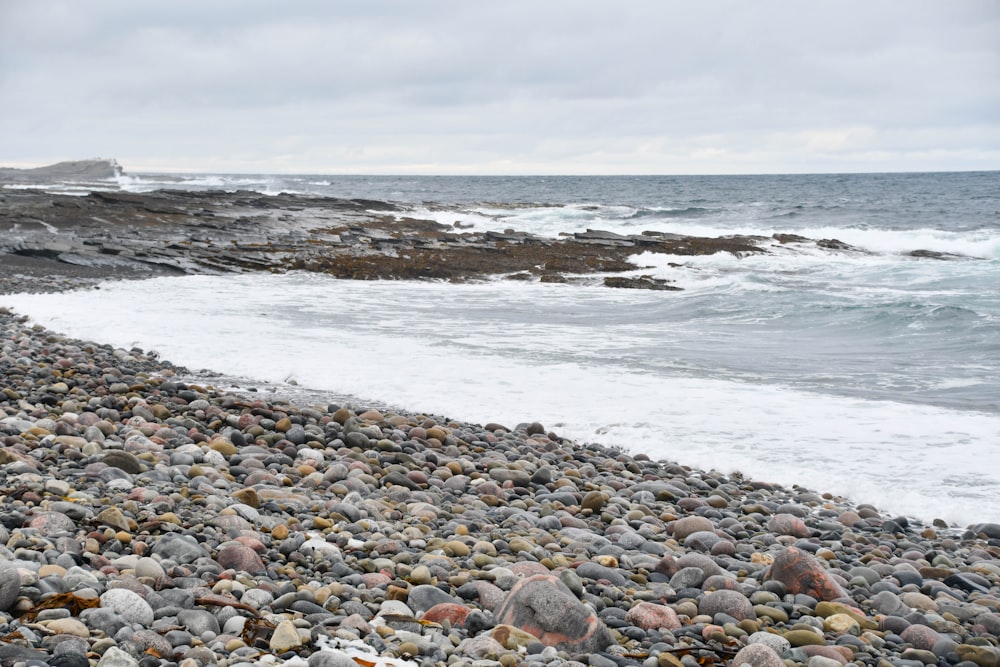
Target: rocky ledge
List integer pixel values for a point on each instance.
(154, 522)
(50, 241)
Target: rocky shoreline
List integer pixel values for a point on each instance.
(54, 241)
(152, 521)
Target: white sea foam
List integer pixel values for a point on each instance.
(497, 352)
(554, 221)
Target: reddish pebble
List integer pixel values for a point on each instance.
(240, 557)
(447, 611)
(490, 489)
(803, 574)
(375, 579)
(252, 542)
(921, 636)
(651, 616)
(50, 523)
(788, 524)
(841, 654)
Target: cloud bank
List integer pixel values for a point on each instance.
(563, 86)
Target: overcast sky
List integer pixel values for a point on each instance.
(502, 87)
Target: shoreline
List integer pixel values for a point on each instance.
(356, 510)
(155, 522)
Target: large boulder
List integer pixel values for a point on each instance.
(544, 606)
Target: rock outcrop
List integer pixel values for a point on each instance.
(83, 171)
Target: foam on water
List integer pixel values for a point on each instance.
(564, 355)
(553, 221)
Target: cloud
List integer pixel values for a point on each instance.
(572, 86)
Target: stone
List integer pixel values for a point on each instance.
(691, 524)
(424, 597)
(115, 657)
(223, 446)
(52, 523)
(68, 626)
(788, 524)
(421, 576)
(840, 654)
(984, 656)
(802, 574)
(670, 566)
(10, 586)
(776, 642)
(241, 558)
(920, 636)
(598, 572)
(126, 461)
(198, 621)
(731, 603)
(112, 516)
(841, 624)
(916, 600)
(107, 621)
(688, 577)
(179, 548)
(129, 605)
(149, 642)
(326, 658)
(651, 616)
(512, 638)
(247, 496)
(803, 637)
(888, 603)
(148, 567)
(703, 540)
(285, 637)
(826, 609)
(455, 614)
(456, 548)
(757, 655)
(593, 501)
(543, 606)
(823, 661)
(480, 647)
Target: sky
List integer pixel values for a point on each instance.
(511, 87)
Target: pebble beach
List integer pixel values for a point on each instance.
(156, 522)
(152, 519)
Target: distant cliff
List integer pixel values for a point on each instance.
(98, 169)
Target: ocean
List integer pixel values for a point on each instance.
(869, 370)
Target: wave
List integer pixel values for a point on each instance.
(575, 379)
(266, 185)
(669, 213)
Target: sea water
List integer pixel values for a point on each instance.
(866, 371)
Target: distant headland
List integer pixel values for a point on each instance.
(96, 169)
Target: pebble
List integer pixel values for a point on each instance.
(210, 527)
